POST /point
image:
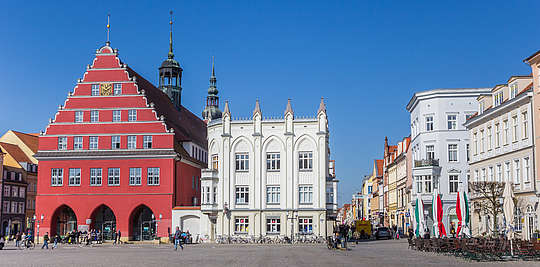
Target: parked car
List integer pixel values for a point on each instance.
(383, 232)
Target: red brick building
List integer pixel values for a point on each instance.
(120, 154)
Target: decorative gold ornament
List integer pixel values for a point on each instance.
(105, 89)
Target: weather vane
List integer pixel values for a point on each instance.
(108, 27)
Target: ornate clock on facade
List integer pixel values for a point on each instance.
(105, 89)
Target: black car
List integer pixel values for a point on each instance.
(383, 232)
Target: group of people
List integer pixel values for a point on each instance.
(180, 237)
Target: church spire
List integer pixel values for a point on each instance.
(171, 54)
(211, 110)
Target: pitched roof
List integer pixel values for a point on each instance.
(31, 140)
(187, 126)
(380, 165)
(15, 152)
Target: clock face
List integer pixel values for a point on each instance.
(105, 88)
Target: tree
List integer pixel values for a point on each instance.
(486, 197)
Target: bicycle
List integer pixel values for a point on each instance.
(27, 244)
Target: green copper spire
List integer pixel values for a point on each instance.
(171, 54)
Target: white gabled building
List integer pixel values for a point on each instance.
(268, 176)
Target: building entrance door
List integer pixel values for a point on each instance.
(147, 232)
(105, 221)
(143, 224)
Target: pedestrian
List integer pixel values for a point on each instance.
(119, 236)
(184, 237)
(55, 240)
(45, 241)
(115, 238)
(411, 233)
(177, 236)
(18, 239)
(452, 230)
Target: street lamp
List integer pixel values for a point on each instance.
(157, 221)
(290, 216)
(38, 221)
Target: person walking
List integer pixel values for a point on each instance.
(18, 239)
(119, 236)
(45, 241)
(55, 241)
(177, 237)
(115, 237)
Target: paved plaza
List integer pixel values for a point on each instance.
(375, 253)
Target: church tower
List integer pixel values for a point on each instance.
(211, 110)
(170, 75)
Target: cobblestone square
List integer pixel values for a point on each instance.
(375, 253)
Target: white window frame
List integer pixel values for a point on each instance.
(489, 138)
(132, 115)
(453, 183)
(428, 184)
(242, 195)
(132, 142)
(116, 142)
(241, 161)
(305, 161)
(135, 176)
(491, 174)
(305, 194)
(452, 121)
(74, 177)
(152, 176)
(525, 127)
(77, 143)
(93, 142)
(507, 171)
(241, 225)
(57, 177)
(273, 161)
(514, 128)
(117, 116)
(526, 170)
(272, 194)
(94, 116)
(497, 135)
(429, 123)
(147, 141)
(96, 176)
(419, 184)
(506, 133)
(79, 116)
(453, 153)
(305, 225)
(215, 161)
(499, 174)
(113, 177)
(517, 172)
(95, 90)
(273, 225)
(62, 143)
(117, 89)
(430, 152)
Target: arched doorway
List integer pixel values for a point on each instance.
(143, 225)
(64, 221)
(104, 220)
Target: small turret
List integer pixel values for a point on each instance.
(211, 110)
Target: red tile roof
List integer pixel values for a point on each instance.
(30, 140)
(14, 151)
(380, 166)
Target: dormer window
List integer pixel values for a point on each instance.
(481, 107)
(498, 98)
(513, 90)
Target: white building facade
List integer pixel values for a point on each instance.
(268, 176)
(439, 144)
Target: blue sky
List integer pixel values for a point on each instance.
(366, 58)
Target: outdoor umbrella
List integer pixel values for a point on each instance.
(458, 213)
(435, 208)
(419, 215)
(462, 210)
(441, 229)
(508, 210)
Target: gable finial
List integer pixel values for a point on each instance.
(322, 106)
(171, 55)
(108, 28)
(257, 109)
(289, 109)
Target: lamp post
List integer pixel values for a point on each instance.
(290, 216)
(157, 221)
(227, 214)
(38, 221)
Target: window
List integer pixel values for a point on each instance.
(153, 176)
(507, 171)
(468, 152)
(526, 167)
(242, 195)
(305, 225)
(77, 143)
(116, 115)
(114, 176)
(489, 139)
(481, 107)
(453, 183)
(242, 162)
(132, 115)
(57, 177)
(192, 182)
(134, 176)
(513, 90)
(453, 152)
(427, 184)
(497, 135)
(516, 172)
(330, 194)
(214, 194)
(514, 128)
(272, 195)
(95, 176)
(452, 122)
(498, 98)
(5, 206)
(241, 224)
(205, 194)
(22, 192)
(490, 174)
(94, 116)
(132, 142)
(305, 161)
(62, 143)
(95, 89)
(505, 133)
(117, 89)
(499, 173)
(429, 123)
(147, 141)
(475, 141)
(115, 142)
(74, 176)
(79, 116)
(482, 141)
(93, 142)
(14, 191)
(273, 225)
(215, 163)
(21, 207)
(305, 194)
(7, 190)
(476, 175)
(418, 184)
(430, 152)
(272, 162)
(13, 207)
(525, 125)
(483, 177)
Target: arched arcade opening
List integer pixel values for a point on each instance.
(142, 224)
(63, 221)
(104, 220)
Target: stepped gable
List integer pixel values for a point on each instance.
(187, 126)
